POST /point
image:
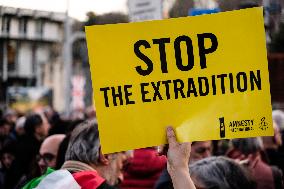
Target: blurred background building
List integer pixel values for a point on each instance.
(30, 46)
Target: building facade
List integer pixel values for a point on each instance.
(31, 44)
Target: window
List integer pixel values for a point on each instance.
(3, 24)
(11, 55)
(1, 56)
(23, 25)
(39, 27)
(6, 21)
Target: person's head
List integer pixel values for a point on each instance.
(34, 126)
(243, 147)
(77, 114)
(48, 112)
(220, 173)
(7, 155)
(200, 150)
(48, 151)
(5, 128)
(278, 117)
(277, 138)
(84, 146)
(274, 141)
(19, 127)
(11, 116)
(90, 112)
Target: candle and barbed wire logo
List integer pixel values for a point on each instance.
(263, 124)
(222, 127)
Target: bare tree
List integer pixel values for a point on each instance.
(109, 18)
(226, 5)
(181, 8)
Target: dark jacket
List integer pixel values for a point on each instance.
(25, 157)
(275, 158)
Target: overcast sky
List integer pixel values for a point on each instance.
(77, 8)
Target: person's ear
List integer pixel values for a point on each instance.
(103, 159)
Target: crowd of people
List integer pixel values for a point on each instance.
(44, 149)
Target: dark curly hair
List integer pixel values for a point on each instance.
(32, 121)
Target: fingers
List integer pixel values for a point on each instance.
(163, 150)
(171, 137)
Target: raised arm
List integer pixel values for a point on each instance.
(178, 162)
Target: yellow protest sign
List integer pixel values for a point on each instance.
(207, 76)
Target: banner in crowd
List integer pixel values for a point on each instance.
(207, 76)
(141, 10)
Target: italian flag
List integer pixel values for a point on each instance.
(64, 179)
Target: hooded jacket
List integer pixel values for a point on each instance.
(143, 170)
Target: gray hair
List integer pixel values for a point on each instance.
(248, 145)
(84, 144)
(222, 173)
(278, 117)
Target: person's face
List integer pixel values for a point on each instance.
(11, 119)
(20, 131)
(7, 160)
(5, 130)
(277, 135)
(46, 160)
(117, 162)
(200, 150)
(42, 130)
(46, 157)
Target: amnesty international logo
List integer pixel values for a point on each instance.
(222, 127)
(263, 124)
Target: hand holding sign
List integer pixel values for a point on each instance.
(178, 161)
(178, 154)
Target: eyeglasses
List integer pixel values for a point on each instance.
(46, 157)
